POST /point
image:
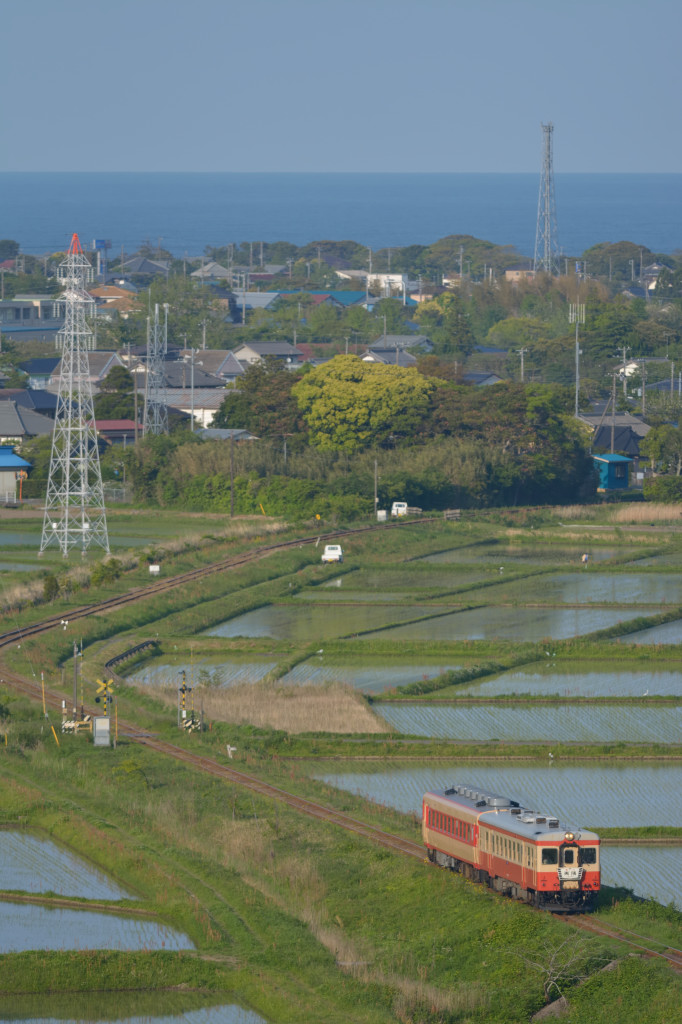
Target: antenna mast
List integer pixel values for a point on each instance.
(546, 235)
(155, 409)
(74, 503)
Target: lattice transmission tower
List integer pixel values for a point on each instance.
(546, 234)
(155, 408)
(74, 505)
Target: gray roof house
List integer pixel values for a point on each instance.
(211, 271)
(99, 363)
(257, 350)
(18, 423)
(219, 362)
(389, 357)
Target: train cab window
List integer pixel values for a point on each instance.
(588, 855)
(569, 857)
(550, 855)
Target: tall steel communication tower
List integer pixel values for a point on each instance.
(74, 505)
(546, 235)
(155, 409)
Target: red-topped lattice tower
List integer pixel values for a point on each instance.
(74, 505)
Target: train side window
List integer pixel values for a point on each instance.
(588, 855)
(550, 855)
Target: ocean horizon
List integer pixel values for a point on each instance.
(185, 212)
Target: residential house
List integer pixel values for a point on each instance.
(200, 403)
(40, 370)
(212, 271)
(37, 399)
(118, 431)
(221, 363)
(255, 351)
(17, 423)
(389, 357)
(481, 379)
(31, 317)
(519, 272)
(142, 266)
(12, 469)
(225, 434)
(99, 365)
(252, 300)
(115, 298)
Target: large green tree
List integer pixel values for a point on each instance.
(262, 403)
(349, 404)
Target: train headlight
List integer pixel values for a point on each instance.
(569, 836)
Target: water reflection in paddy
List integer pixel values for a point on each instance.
(31, 863)
(522, 554)
(651, 871)
(30, 926)
(226, 672)
(527, 723)
(551, 677)
(668, 633)
(303, 623)
(596, 588)
(511, 624)
(122, 1008)
(370, 678)
(607, 794)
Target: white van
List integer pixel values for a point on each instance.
(399, 508)
(332, 553)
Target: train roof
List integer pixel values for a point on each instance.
(495, 810)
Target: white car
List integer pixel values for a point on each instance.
(399, 508)
(332, 553)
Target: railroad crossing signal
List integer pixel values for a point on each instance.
(105, 693)
(182, 699)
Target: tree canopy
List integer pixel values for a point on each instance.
(349, 404)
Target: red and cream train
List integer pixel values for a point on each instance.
(516, 851)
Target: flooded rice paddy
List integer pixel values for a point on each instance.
(595, 588)
(528, 723)
(608, 794)
(370, 678)
(521, 554)
(654, 872)
(575, 680)
(305, 623)
(510, 624)
(26, 926)
(32, 863)
(122, 1008)
(668, 633)
(225, 672)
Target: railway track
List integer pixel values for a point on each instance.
(160, 586)
(207, 765)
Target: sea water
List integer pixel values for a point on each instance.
(185, 212)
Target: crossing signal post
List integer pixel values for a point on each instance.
(182, 700)
(105, 694)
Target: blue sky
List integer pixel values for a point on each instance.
(352, 85)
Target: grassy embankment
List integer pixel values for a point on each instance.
(289, 915)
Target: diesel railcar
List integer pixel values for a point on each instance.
(516, 851)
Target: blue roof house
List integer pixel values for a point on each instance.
(11, 466)
(614, 472)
